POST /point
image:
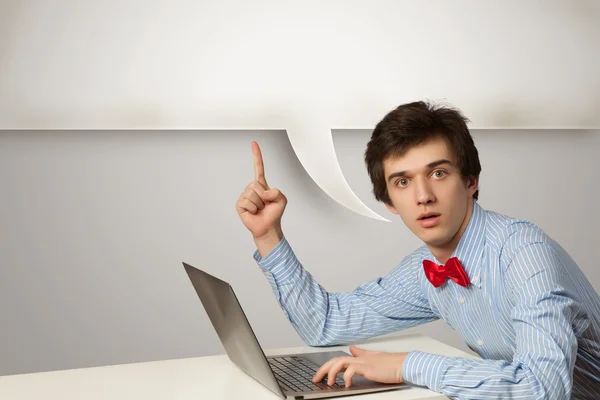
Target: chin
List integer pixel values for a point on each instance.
(435, 239)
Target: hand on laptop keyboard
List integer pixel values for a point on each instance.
(377, 366)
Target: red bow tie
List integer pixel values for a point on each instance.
(437, 274)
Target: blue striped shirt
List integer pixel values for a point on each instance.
(530, 313)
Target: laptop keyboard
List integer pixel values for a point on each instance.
(295, 374)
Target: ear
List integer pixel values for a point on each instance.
(472, 184)
(392, 209)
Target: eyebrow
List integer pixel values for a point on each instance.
(430, 165)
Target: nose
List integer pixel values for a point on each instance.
(423, 193)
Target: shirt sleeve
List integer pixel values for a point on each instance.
(547, 318)
(381, 306)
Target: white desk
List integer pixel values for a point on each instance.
(211, 378)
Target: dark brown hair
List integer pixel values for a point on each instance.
(412, 124)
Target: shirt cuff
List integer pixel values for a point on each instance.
(425, 369)
(280, 264)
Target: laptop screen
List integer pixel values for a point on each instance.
(232, 327)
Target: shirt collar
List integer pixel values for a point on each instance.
(471, 245)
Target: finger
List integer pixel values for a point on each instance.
(322, 371)
(256, 185)
(335, 369)
(350, 372)
(245, 205)
(255, 198)
(356, 352)
(262, 192)
(274, 195)
(259, 168)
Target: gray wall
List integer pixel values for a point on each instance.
(94, 226)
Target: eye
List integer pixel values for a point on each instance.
(402, 182)
(439, 173)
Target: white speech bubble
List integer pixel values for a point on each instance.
(307, 67)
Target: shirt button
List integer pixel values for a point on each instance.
(461, 300)
(475, 279)
(268, 273)
(480, 342)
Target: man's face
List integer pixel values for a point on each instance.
(426, 179)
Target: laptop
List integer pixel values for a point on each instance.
(288, 376)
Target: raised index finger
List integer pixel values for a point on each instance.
(259, 168)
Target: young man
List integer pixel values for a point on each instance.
(512, 293)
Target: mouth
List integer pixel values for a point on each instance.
(426, 216)
(429, 220)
